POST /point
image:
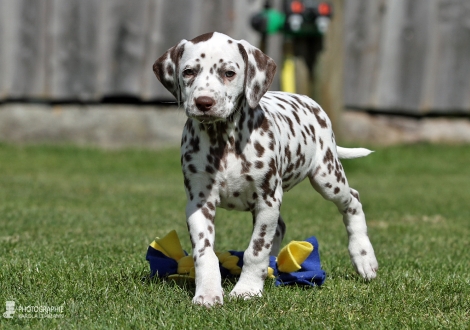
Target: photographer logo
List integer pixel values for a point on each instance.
(32, 312)
(10, 309)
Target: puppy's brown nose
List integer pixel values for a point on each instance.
(204, 103)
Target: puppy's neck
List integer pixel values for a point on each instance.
(228, 126)
(229, 134)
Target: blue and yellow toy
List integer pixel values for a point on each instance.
(297, 263)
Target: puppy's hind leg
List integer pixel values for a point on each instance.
(330, 181)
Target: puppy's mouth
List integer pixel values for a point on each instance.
(210, 116)
(207, 118)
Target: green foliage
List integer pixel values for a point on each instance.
(75, 224)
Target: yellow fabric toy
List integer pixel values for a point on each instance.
(298, 262)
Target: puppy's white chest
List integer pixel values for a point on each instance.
(234, 187)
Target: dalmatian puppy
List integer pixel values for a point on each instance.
(242, 147)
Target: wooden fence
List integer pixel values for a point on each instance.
(403, 56)
(408, 56)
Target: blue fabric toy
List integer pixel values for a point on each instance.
(297, 263)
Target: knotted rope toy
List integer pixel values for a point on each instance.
(297, 263)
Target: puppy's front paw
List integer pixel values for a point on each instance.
(246, 291)
(209, 298)
(363, 259)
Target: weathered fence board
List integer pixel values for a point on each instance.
(24, 47)
(87, 49)
(74, 56)
(408, 56)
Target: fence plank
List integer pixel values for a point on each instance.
(24, 61)
(453, 67)
(414, 42)
(122, 46)
(74, 49)
(408, 56)
(362, 49)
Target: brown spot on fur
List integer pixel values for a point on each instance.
(210, 206)
(321, 121)
(328, 158)
(258, 246)
(192, 168)
(261, 59)
(259, 164)
(194, 143)
(259, 149)
(207, 214)
(251, 72)
(169, 70)
(210, 169)
(265, 124)
(202, 38)
(352, 211)
(256, 91)
(291, 125)
(355, 195)
(312, 129)
(296, 117)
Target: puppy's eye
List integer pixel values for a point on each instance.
(188, 73)
(229, 74)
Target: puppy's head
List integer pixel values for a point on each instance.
(212, 73)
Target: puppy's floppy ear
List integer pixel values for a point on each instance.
(167, 66)
(259, 72)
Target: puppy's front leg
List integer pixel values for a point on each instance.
(256, 256)
(201, 230)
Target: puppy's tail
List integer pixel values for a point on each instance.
(351, 153)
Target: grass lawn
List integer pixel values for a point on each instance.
(75, 224)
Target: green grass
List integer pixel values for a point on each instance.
(75, 224)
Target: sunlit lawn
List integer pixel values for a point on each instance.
(75, 224)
